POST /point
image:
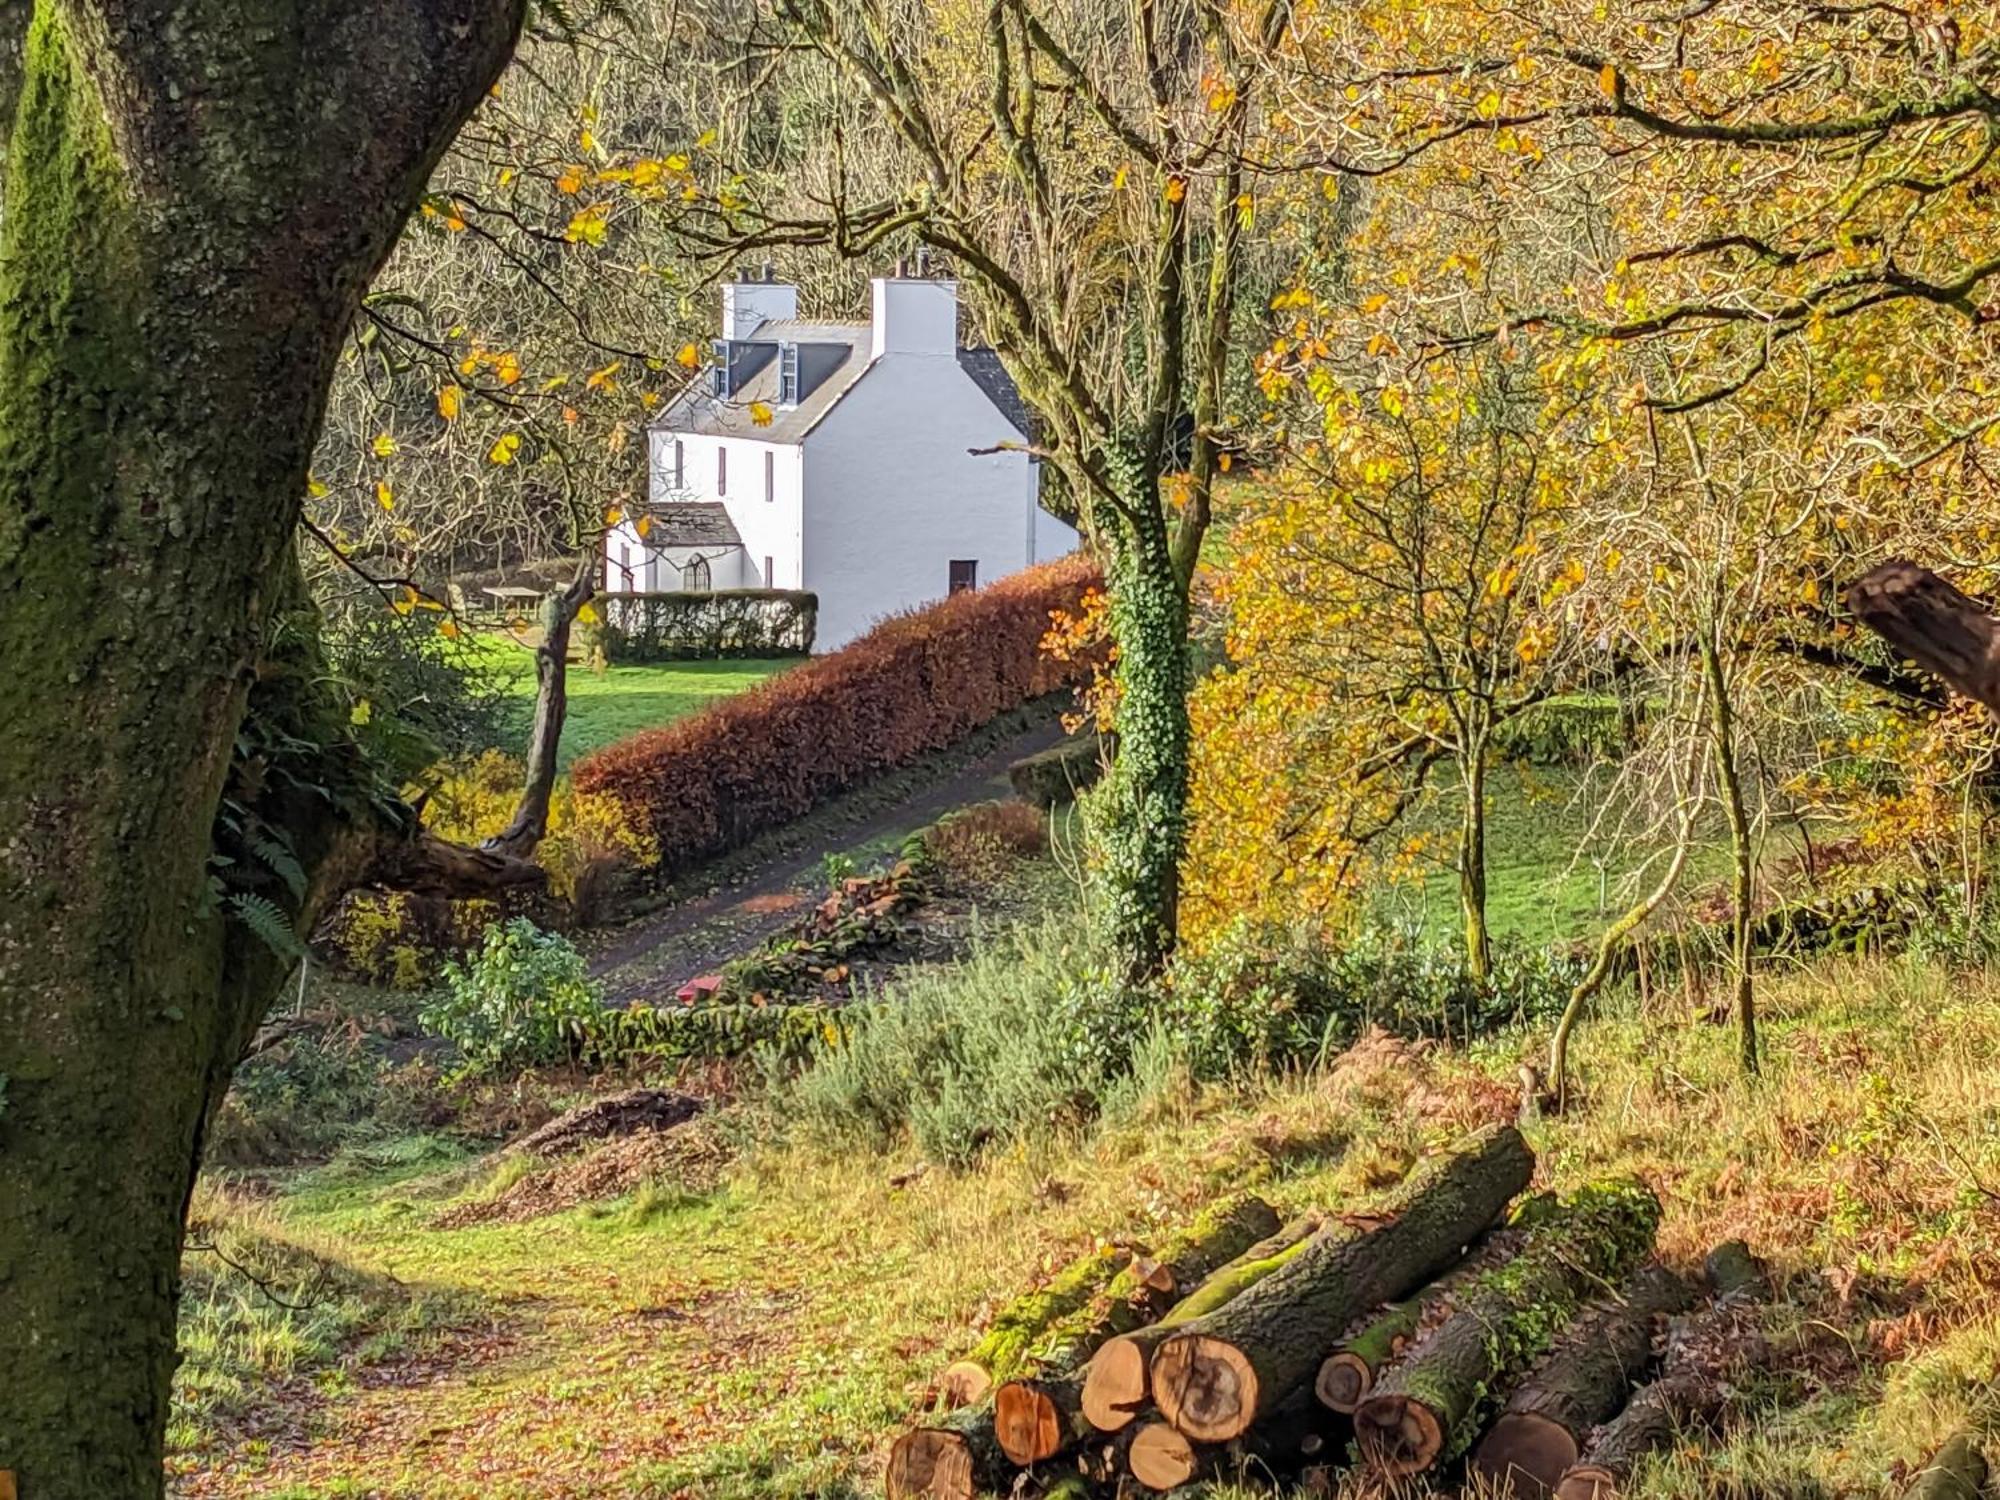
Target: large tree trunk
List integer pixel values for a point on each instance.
(530, 823)
(1427, 1410)
(1583, 1380)
(1142, 806)
(1218, 1374)
(197, 195)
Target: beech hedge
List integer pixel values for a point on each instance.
(917, 683)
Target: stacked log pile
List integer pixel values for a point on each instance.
(1435, 1334)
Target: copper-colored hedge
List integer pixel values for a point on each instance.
(916, 683)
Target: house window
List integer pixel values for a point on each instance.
(719, 372)
(680, 464)
(694, 575)
(770, 574)
(964, 574)
(721, 470)
(770, 475)
(788, 375)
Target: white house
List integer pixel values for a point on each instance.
(878, 464)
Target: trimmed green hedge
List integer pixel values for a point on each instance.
(708, 625)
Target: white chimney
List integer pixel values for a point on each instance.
(749, 302)
(915, 315)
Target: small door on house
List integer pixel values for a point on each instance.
(964, 574)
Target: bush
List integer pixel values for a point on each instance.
(1264, 1003)
(1054, 777)
(708, 625)
(525, 1000)
(1019, 1036)
(915, 684)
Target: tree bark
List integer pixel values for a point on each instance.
(1707, 1351)
(1117, 1385)
(197, 196)
(530, 823)
(1039, 1417)
(1012, 1334)
(1932, 624)
(1215, 1376)
(1348, 1374)
(1427, 1410)
(1472, 865)
(1729, 784)
(1957, 1471)
(1583, 1380)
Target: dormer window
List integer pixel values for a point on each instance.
(718, 372)
(788, 374)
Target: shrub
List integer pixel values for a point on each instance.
(915, 684)
(1255, 1001)
(1565, 732)
(708, 625)
(1018, 1036)
(525, 1000)
(1054, 777)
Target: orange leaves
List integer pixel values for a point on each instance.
(450, 401)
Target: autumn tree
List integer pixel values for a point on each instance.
(197, 197)
(1086, 171)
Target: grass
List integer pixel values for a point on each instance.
(610, 705)
(763, 1338)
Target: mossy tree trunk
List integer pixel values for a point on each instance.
(530, 823)
(1472, 860)
(197, 196)
(1743, 891)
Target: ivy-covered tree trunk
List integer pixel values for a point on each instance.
(1142, 809)
(197, 195)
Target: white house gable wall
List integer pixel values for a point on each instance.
(895, 498)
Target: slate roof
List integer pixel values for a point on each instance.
(699, 412)
(991, 376)
(692, 523)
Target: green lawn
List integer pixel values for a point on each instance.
(620, 701)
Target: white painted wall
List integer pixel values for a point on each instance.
(908, 316)
(767, 522)
(892, 496)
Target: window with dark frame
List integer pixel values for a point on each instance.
(770, 574)
(680, 464)
(695, 575)
(721, 470)
(964, 574)
(788, 375)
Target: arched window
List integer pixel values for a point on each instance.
(694, 575)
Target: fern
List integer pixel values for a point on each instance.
(279, 859)
(267, 923)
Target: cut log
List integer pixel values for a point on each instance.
(1039, 1414)
(1162, 1458)
(953, 1459)
(1957, 1471)
(1583, 1380)
(1348, 1374)
(1216, 1375)
(1117, 1384)
(1707, 1351)
(1933, 624)
(1015, 1328)
(1427, 1410)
